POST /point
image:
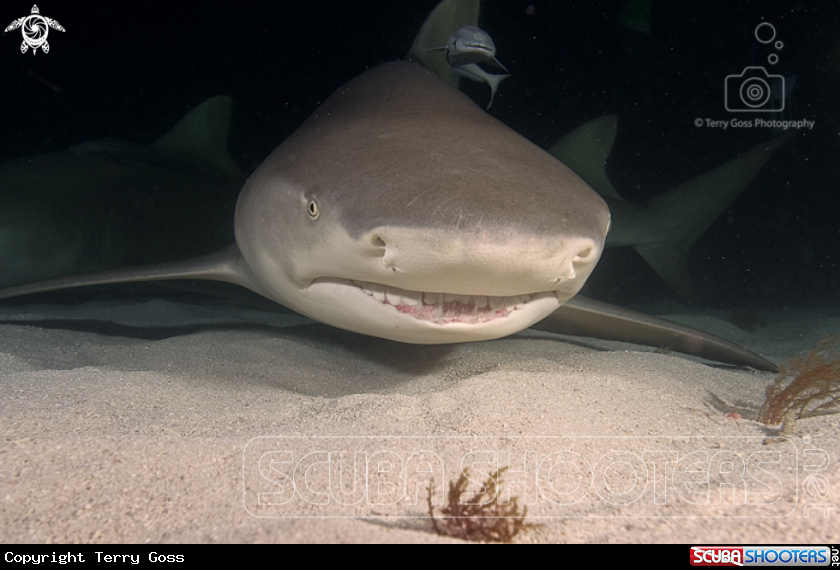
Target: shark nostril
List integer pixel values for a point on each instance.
(584, 254)
(588, 253)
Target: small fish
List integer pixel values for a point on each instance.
(470, 45)
(466, 48)
(473, 72)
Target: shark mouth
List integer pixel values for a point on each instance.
(446, 308)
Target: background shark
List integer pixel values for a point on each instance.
(108, 203)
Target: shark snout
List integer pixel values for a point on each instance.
(442, 262)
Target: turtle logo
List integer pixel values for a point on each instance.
(35, 28)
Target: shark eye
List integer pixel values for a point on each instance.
(312, 208)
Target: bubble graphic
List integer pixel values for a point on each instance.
(773, 59)
(765, 32)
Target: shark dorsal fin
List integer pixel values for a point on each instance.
(447, 17)
(586, 149)
(200, 137)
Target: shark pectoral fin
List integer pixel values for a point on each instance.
(586, 149)
(225, 265)
(447, 17)
(200, 137)
(584, 317)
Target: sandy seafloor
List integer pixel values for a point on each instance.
(133, 420)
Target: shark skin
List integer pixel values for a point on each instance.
(425, 247)
(110, 203)
(663, 228)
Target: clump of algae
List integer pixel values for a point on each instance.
(807, 386)
(479, 517)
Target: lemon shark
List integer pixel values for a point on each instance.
(400, 209)
(108, 203)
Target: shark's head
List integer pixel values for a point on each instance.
(403, 211)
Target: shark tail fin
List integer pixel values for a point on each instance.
(200, 137)
(224, 265)
(447, 17)
(586, 149)
(684, 213)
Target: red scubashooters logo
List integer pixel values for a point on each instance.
(762, 555)
(717, 556)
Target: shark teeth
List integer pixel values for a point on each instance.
(444, 308)
(412, 298)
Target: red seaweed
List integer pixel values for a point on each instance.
(807, 386)
(479, 517)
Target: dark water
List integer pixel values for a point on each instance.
(132, 69)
